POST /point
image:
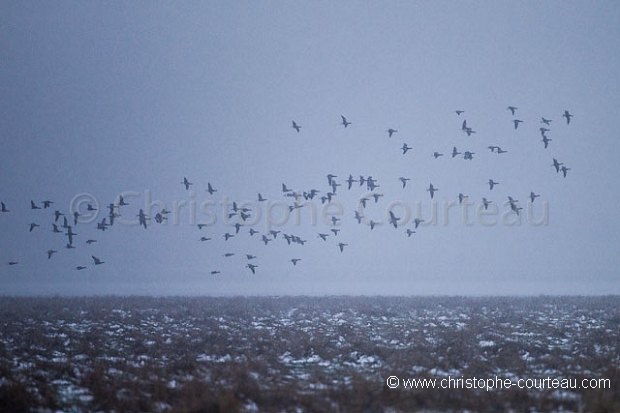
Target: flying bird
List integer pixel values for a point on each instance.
(210, 189)
(405, 148)
(97, 261)
(533, 196)
(344, 121)
(4, 208)
(50, 253)
(252, 267)
(409, 232)
(295, 260)
(404, 180)
(455, 152)
(417, 222)
(516, 122)
(33, 205)
(486, 203)
(33, 226)
(80, 267)
(391, 132)
(567, 115)
(47, 204)
(564, 170)
(512, 109)
(546, 141)
(296, 126)
(556, 165)
(341, 245)
(437, 154)
(546, 121)
(458, 112)
(432, 190)
(492, 183)
(394, 219)
(186, 183)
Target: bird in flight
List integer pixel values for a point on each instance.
(458, 112)
(80, 267)
(50, 253)
(437, 154)
(409, 232)
(469, 155)
(341, 245)
(252, 267)
(516, 122)
(33, 226)
(564, 170)
(97, 261)
(47, 204)
(405, 148)
(557, 165)
(486, 203)
(512, 109)
(391, 132)
(455, 152)
(186, 183)
(546, 141)
(344, 121)
(533, 196)
(33, 205)
(295, 260)
(492, 183)
(210, 189)
(567, 115)
(394, 219)
(417, 222)
(404, 180)
(4, 208)
(546, 121)
(296, 126)
(432, 190)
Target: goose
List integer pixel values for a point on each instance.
(55, 228)
(432, 190)
(76, 215)
(350, 181)
(252, 267)
(142, 218)
(121, 201)
(250, 256)
(516, 122)
(567, 115)
(533, 196)
(344, 121)
(210, 189)
(69, 246)
(295, 260)
(564, 170)
(33, 205)
(404, 181)
(458, 112)
(80, 267)
(227, 236)
(417, 222)
(330, 179)
(492, 183)
(462, 198)
(469, 131)
(13, 262)
(285, 189)
(405, 148)
(493, 148)
(323, 236)
(372, 224)
(70, 234)
(33, 226)
(228, 254)
(89, 207)
(215, 272)
(50, 253)
(296, 126)
(4, 209)
(437, 154)
(545, 141)
(260, 198)
(500, 150)
(391, 132)
(468, 155)
(186, 183)
(546, 121)
(341, 245)
(47, 204)
(203, 239)
(556, 165)
(543, 130)
(358, 217)
(409, 232)
(253, 231)
(394, 219)
(455, 152)
(265, 239)
(90, 241)
(97, 261)
(486, 203)
(335, 231)
(512, 109)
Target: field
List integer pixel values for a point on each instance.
(304, 354)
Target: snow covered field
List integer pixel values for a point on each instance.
(306, 354)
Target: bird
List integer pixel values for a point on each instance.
(295, 260)
(516, 122)
(33, 205)
(80, 267)
(432, 190)
(546, 121)
(458, 112)
(252, 267)
(546, 141)
(121, 201)
(97, 261)
(215, 272)
(227, 236)
(13, 262)
(330, 179)
(543, 130)
(417, 222)
(409, 232)
(469, 131)
(250, 256)
(372, 224)
(341, 245)
(296, 126)
(462, 198)
(469, 155)
(142, 218)
(391, 132)
(70, 234)
(50, 253)
(210, 189)
(69, 246)
(204, 239)
(76, 215)
(47, 204)
(556, 165)
(567, 115)
(344, 121)
(492, 183)
(437, 154)
(394, 219)
(260, 198)
(512, 109)
(265, 239)
(3, 209)
(533, 196)
(228, 254)
(90, 241)
(500, 150)
(493, 148)
(564, 170)
(404, 181)
(358, 217)
(455, 152)
(486, 203)
(33, 226)
(405, 148)
(186, 183)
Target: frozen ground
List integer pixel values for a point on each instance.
(303, 354)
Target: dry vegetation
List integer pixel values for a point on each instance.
(138, 354)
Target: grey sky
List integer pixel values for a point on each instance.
(130, 97)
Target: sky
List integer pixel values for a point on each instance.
(103, 99)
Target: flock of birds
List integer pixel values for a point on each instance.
(64, 224)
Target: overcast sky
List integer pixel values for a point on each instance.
(100, 99)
